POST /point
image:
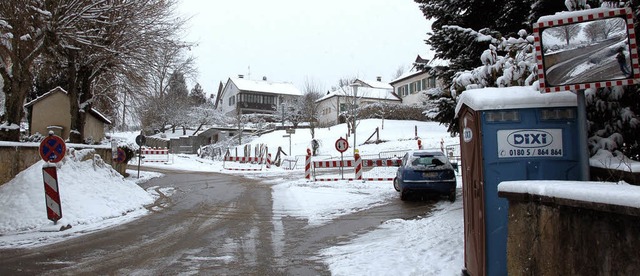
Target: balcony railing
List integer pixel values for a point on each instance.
(257, 106)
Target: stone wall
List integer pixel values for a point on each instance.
(555, 236)
(16, 157)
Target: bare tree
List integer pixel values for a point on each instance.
(129, 35)
(603, 29)
(92, 42)
(312, 92)
(592, 31)
(565, 32)
(24, 28)
(205, 114)
(399, 72)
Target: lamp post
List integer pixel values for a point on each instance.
(354, 86)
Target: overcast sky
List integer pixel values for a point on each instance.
(295, 40)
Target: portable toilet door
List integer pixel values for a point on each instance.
(473, 179)
(508, 134)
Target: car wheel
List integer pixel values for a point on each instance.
(396, 184)
(452, 196)
(404, 195)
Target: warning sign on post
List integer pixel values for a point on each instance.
(530, 143)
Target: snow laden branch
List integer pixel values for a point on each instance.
(507, 62)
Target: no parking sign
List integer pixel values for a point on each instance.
(52, 149)
(120, 156)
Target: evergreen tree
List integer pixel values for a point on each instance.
(545, 7)
(177, 102)
(178, 87)
(462, 31)
(197, 96)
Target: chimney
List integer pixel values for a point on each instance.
(379, 78)
(264, 78)
(241, 76)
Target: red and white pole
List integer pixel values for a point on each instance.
(307, 165)
(268, 160)
(358, 165)
(52, 195)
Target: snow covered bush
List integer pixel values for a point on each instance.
(507, 62)
(614, 124)
(391, 112)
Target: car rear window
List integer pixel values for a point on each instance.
(427, 161)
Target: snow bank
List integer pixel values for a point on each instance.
(90, 191)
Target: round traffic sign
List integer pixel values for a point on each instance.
(121, 156)
(140, 140)
(52, 149)
(342, 144)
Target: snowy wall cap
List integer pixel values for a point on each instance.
(516, 97)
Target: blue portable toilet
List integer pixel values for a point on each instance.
(514, 133)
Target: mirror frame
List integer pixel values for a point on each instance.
(568, 18)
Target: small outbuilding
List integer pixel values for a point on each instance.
(51, 112)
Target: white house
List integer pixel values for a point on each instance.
(413, 85)
(336, 102)
(244, 96)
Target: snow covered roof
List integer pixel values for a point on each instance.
(409, 74)
(284, 88)
(375, 84)
(363, 92)
(92, 111)
(513, 97)
(435, 63)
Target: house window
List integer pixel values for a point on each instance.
(406, 89)
(432, 82)
(232, 100)
(424, 84)
(343, 107)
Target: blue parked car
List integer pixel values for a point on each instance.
(425, 171)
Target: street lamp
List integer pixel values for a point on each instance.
(354, 86)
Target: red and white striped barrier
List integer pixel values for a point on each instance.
(333, 164)
(358, 164)
(150, 151)
(52, 195)
(155, 155)
(258, 160)
(246, 159)
(244, 169)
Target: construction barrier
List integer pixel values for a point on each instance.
(155, 155)
(357, 164)
(247, 159)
